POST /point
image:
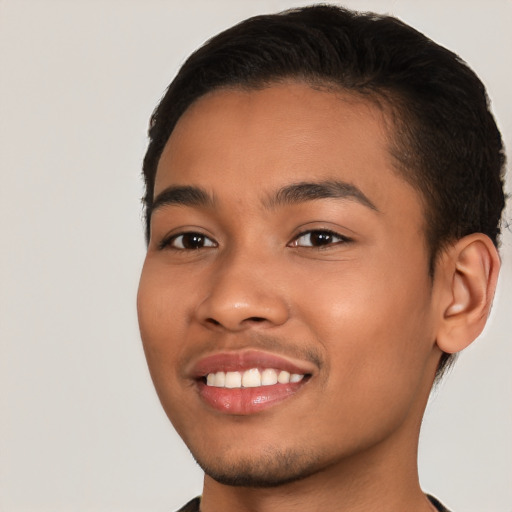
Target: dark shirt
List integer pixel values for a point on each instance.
(193, 506)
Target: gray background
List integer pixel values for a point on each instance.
(80, 426)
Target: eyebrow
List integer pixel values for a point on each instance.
(187, 195)
(182, 196)
(305, 191)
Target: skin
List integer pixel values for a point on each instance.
(360, 311)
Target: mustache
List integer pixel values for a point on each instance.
(251, 341)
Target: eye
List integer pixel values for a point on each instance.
(319, 238)
(187, 242)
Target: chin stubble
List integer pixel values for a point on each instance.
(271, 468)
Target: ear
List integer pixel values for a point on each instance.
(470, 269)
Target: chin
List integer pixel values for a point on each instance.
(270, 469)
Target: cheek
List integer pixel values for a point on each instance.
(160, 303)
(374, 322)
(161, 321)
(162, 314)
(377, 350)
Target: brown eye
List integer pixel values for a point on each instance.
(190, 241)
(319, 238)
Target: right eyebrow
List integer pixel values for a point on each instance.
(310, 191)
(182, 196)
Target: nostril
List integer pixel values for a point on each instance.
(251, 319)
(256, 319)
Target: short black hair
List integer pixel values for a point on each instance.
(444, 139)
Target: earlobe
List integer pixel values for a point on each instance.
(472, 267)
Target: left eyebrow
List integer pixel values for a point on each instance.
(306, 191)
(182, 196)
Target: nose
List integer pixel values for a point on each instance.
(243, 293)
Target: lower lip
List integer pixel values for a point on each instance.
(244, 401)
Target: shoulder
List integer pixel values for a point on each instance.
(439, 506)
(191, 506)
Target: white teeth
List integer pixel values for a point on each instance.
(252, 378)
(220, 379)
(283, 377)
(233, 380)
(268, 377)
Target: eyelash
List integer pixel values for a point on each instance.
(320, 232)
(167, 243)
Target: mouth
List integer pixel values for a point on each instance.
(249, 382)
(252, 378)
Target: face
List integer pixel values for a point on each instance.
(285, 305)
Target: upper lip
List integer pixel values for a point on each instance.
(246, 359)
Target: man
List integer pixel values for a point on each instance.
(323, 196)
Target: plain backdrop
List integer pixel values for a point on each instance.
(81, 428)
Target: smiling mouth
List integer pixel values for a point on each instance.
(251, 378)
(233, 398)
(249, 381)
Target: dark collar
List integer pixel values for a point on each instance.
(193, 505)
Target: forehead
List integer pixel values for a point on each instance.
(243, 143)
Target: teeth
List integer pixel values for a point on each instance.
(220, 379)
(268, 377)
(252, 378)
(283, 377)
(233, 380)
